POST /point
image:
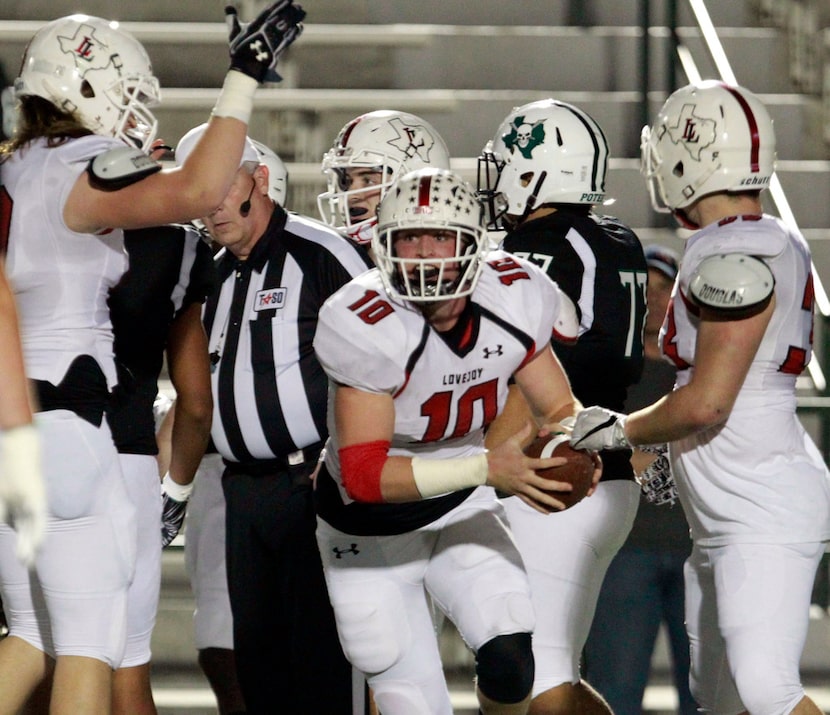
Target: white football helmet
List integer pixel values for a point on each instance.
(388, 141)
(277, 173)
(98, 72)
(430, 199)
(707, 137)
(544, 152)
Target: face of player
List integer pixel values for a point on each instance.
(364, 183)
(226, 224)
(423, 244)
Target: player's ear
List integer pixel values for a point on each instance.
(262, 176)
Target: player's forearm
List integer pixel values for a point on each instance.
(554, 419)
(371, 476)
(15, 408)
(397, 481)
(677, 415)
(515, 415)
(191, 431)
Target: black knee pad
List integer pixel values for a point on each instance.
(504, 668)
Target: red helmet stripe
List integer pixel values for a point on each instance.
(424, 184)
(347, 132)
(753, 127)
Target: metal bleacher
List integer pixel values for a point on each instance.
(462, 66)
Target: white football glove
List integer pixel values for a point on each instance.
(597, 428)
(22, 490)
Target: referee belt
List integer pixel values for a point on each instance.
(275, 465)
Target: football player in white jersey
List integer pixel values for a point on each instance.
(739, 330)
(419, 352)
(74, 175)
(369, 153)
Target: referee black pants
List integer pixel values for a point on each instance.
(288, 655)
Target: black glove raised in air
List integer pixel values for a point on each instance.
(256, 46)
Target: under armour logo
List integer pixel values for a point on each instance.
(351, 550)
(261, 55)
(495, 351)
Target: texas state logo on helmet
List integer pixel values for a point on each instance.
(388, 141)
(708, 137)
(89, 67)
(543, 152)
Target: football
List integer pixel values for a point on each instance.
(579, 471)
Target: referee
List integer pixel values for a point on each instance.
(269, 424)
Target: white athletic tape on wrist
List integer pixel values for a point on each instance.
(176, 491)
(237, 97)
(22, 485)
(621, 440)
(441, 476)
(20, 445)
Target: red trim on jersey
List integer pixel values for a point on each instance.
(5, 219)
(467, 335)
(742, 217)
(405, 383)
(753, 127)
(360, 469)
(529, 355)
(564, 339)
(691, 306)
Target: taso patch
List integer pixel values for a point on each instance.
(271, 299)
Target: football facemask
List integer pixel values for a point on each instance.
(708, 137)
(90, 68)
(438, 207)
(385, 141)
(543, 152)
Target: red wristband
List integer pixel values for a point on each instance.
(360, 469)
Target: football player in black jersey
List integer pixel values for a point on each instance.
(541, 176)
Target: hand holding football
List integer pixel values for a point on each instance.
(578, 471)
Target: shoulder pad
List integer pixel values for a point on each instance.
(732, 282)
(120, 167)
(566, 329)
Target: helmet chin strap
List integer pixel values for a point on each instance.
(684, 220)
(530, 205)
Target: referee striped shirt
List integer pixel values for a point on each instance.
(269, 391)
